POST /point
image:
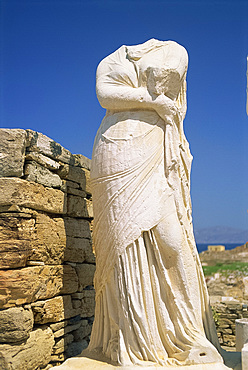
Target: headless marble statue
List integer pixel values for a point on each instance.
(152, 305)
(151, 298)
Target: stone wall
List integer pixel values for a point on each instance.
(46, 259)
(225, 314)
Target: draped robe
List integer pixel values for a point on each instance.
(152, 304)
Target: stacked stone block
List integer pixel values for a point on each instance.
(46, 259)
(225, 314)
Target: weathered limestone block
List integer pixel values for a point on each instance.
(85, 274)
(58, 325)
(87, 178)
(15, 324)
(66, 330)
(43, 160)
(14, 253)
(35, 283)
(31, 195)
(78, 192)
(88, 303)
(76, 174)
(76, 348)
(77, 228)
(67, 183)
(12, 152)
(82, 331)
(15, 240)
(82, 161)
(60, 357)
(62, 344)
(42, 175)
(54, 310)
(49, 241)
(40, 143)
(87, 298)
(29, 355)
(79, 207)
(16, 228)
(78, 250)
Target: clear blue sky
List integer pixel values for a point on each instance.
(49, 53)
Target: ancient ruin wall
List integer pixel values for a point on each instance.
(46, 259)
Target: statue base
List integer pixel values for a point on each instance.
(87, 361)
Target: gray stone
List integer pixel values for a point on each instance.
(72, 173)
(85, 274)
(82, 161)
(77, 228)
(88, 303)
(12, 152)
(78, 250)
(42, 175)
(73, 191)
(28, 355)
(62, 343)
(43, 160)
(82, 332)
(76, 303)
(15, 324)
(37, 142)
(68, 183)
(59, 325)
(66, 330)
(79, 207)
(76, 348)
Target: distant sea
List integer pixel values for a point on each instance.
(203, 247)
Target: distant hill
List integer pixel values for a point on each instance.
(221, 234)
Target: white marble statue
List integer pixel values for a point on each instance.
(152, 305)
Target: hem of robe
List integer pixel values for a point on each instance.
(140, 318)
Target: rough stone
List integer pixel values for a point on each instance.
(66, 330)
(28, 355)
(14, 253)
(72, 173)
(87, 180)
(82, 332)
(42, 175)
(85, 274)
(58, 325)
(79, 207)
(67, 183)
(49, 242)
(37, 142)
(88, 303)
(82, 161)
(54, 310)
(43, 160)
(16, 228)
(77, 228)
(78, 250)
(15, 324)
(12, 152)
(35, 283)
(76, 348)
(62, 343)
(58, 357)
(76, 303)
(78, 192)
(28, 194)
